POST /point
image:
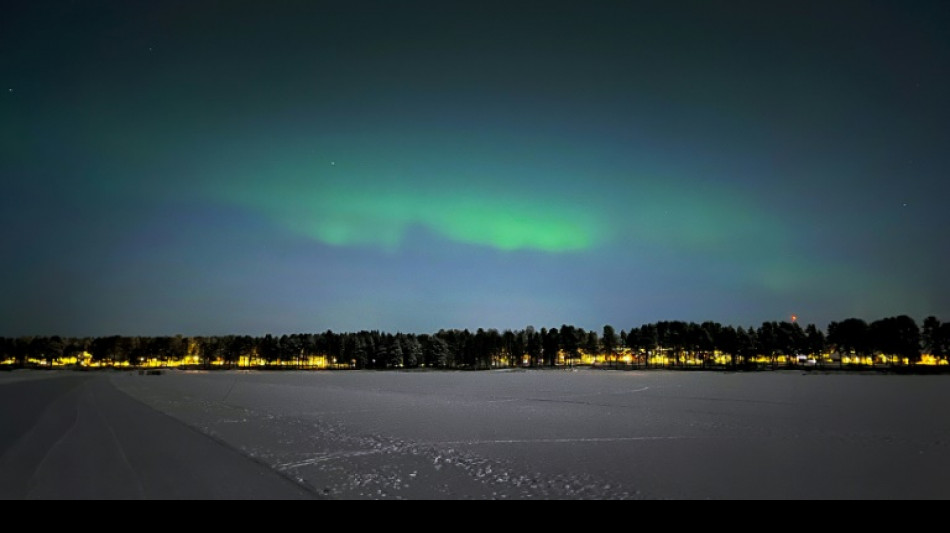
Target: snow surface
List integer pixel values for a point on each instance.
(585, 434)
(78, 438)
(21, 376)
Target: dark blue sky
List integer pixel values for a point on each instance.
(209, 167)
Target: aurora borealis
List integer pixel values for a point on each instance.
(209, 167)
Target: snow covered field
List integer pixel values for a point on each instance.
(21, 376)
(586, 434)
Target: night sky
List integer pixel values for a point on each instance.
(213, 167)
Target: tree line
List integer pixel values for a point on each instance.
(679, 343)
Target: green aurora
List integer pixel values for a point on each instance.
(373, 218)
(375, 207)
(310, 165)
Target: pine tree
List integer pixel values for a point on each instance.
(394, 355)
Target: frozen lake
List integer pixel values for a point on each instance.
(73, 436)
(586, 434)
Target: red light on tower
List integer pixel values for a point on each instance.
(794, 319)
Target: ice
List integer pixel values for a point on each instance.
(586, 434)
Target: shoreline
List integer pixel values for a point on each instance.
(921, 370)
